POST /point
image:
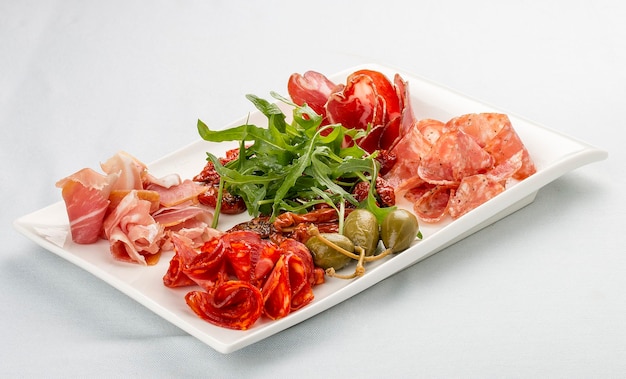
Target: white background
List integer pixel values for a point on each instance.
(541, 293)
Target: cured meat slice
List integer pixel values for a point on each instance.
(312, 88)
(206, 268)
(473, 191)
(250, 257)
(232, 304)
(495, 133)
(178, 194)
(454, 156)
(290, 247)
(175, 275)
(432, 205)
(356, 105)
(129, 169)
(133, 234)
(404, 99)
(300, 279)
(86, 194)
(431, 129)
(507, 169)
(505, 145)
(411, 149)
(277, 292)
(117, 195)
(368, 99)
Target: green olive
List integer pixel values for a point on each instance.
(399, 229)
(325, 256)
(361, 226)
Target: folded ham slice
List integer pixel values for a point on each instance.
(133, 233)
(86, 196)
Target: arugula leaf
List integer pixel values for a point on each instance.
(292, 166)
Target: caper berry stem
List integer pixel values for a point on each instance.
(358, 271)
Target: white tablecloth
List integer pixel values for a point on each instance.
(541, 293)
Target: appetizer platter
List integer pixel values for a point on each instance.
(424, 153)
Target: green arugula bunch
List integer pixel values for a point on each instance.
(293, 166)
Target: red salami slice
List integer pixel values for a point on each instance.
(247, 252)
(208, 267)
(454, 156)
(410, 150)
(495, 133)
(431, 129)
(432, 206)
(299, 282)
(473, 191)
(175, 275)
(232, 304)
(277, 291)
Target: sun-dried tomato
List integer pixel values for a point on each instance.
(231, 204)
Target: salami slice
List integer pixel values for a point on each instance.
(454, 156)
(277, 291)
(473, 191)
(432, 206)
(232, 304)
(175, 275)
(411, 149)
(495, 133)
(246, 252)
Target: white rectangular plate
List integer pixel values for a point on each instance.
(554, 154)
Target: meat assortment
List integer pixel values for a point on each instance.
(443, 167)
(135, 211)
(243, 277)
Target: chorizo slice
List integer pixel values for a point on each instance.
(277, 291)
(232, 304)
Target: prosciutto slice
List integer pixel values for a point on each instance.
(133, 234)
(129, 170)
(86, 196)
